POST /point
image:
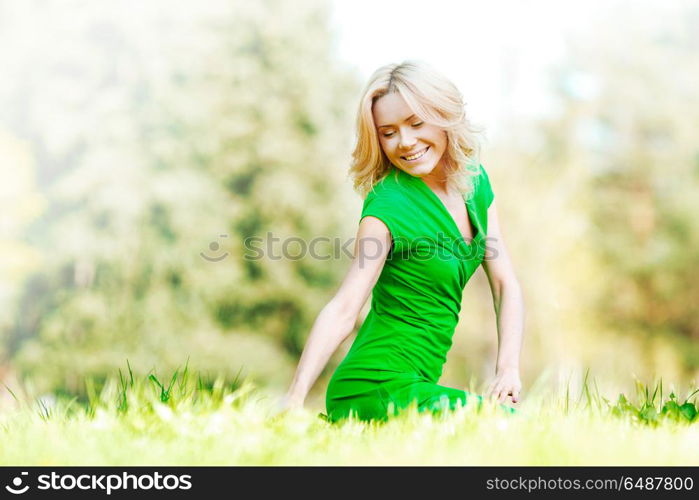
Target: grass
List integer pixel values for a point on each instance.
(195, 420)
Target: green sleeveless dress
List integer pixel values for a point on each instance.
(397, 357)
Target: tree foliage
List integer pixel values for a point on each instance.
(180, 134)
(629, 112)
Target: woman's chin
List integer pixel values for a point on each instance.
(419, 170)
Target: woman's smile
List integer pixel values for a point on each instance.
(417, 155)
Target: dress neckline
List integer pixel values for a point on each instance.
(445, 210)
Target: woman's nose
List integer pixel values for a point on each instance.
(407, 140)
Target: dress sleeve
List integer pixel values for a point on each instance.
(485, 191)
(385, 207)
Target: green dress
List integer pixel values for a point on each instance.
(398, 354)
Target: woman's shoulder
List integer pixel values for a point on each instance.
(388, 200)
(482, 188)
(390, 186)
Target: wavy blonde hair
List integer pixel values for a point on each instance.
(434, 99)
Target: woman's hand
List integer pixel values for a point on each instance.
(287, 403)
(506, 383)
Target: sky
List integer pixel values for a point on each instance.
(496, 52)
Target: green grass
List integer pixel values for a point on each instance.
(188, 420)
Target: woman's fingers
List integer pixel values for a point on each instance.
(500, 392)
(489, 391)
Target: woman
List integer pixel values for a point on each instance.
(428, 209)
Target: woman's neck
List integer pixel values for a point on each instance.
(437, 179)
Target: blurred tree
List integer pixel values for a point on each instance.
(162, 135)
(629, 109)
(20, 203)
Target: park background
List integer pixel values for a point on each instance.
(137, 138)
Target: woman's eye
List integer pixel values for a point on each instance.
(417, 124)
(388, 135)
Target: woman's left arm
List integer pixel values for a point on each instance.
(509, 308)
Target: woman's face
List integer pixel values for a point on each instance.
(408, 142)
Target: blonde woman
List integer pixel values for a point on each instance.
(427, 212)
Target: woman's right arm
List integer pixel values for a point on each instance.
(337, 319)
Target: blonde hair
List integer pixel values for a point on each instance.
(434, 99)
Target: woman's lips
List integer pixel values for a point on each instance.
(422, 153)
